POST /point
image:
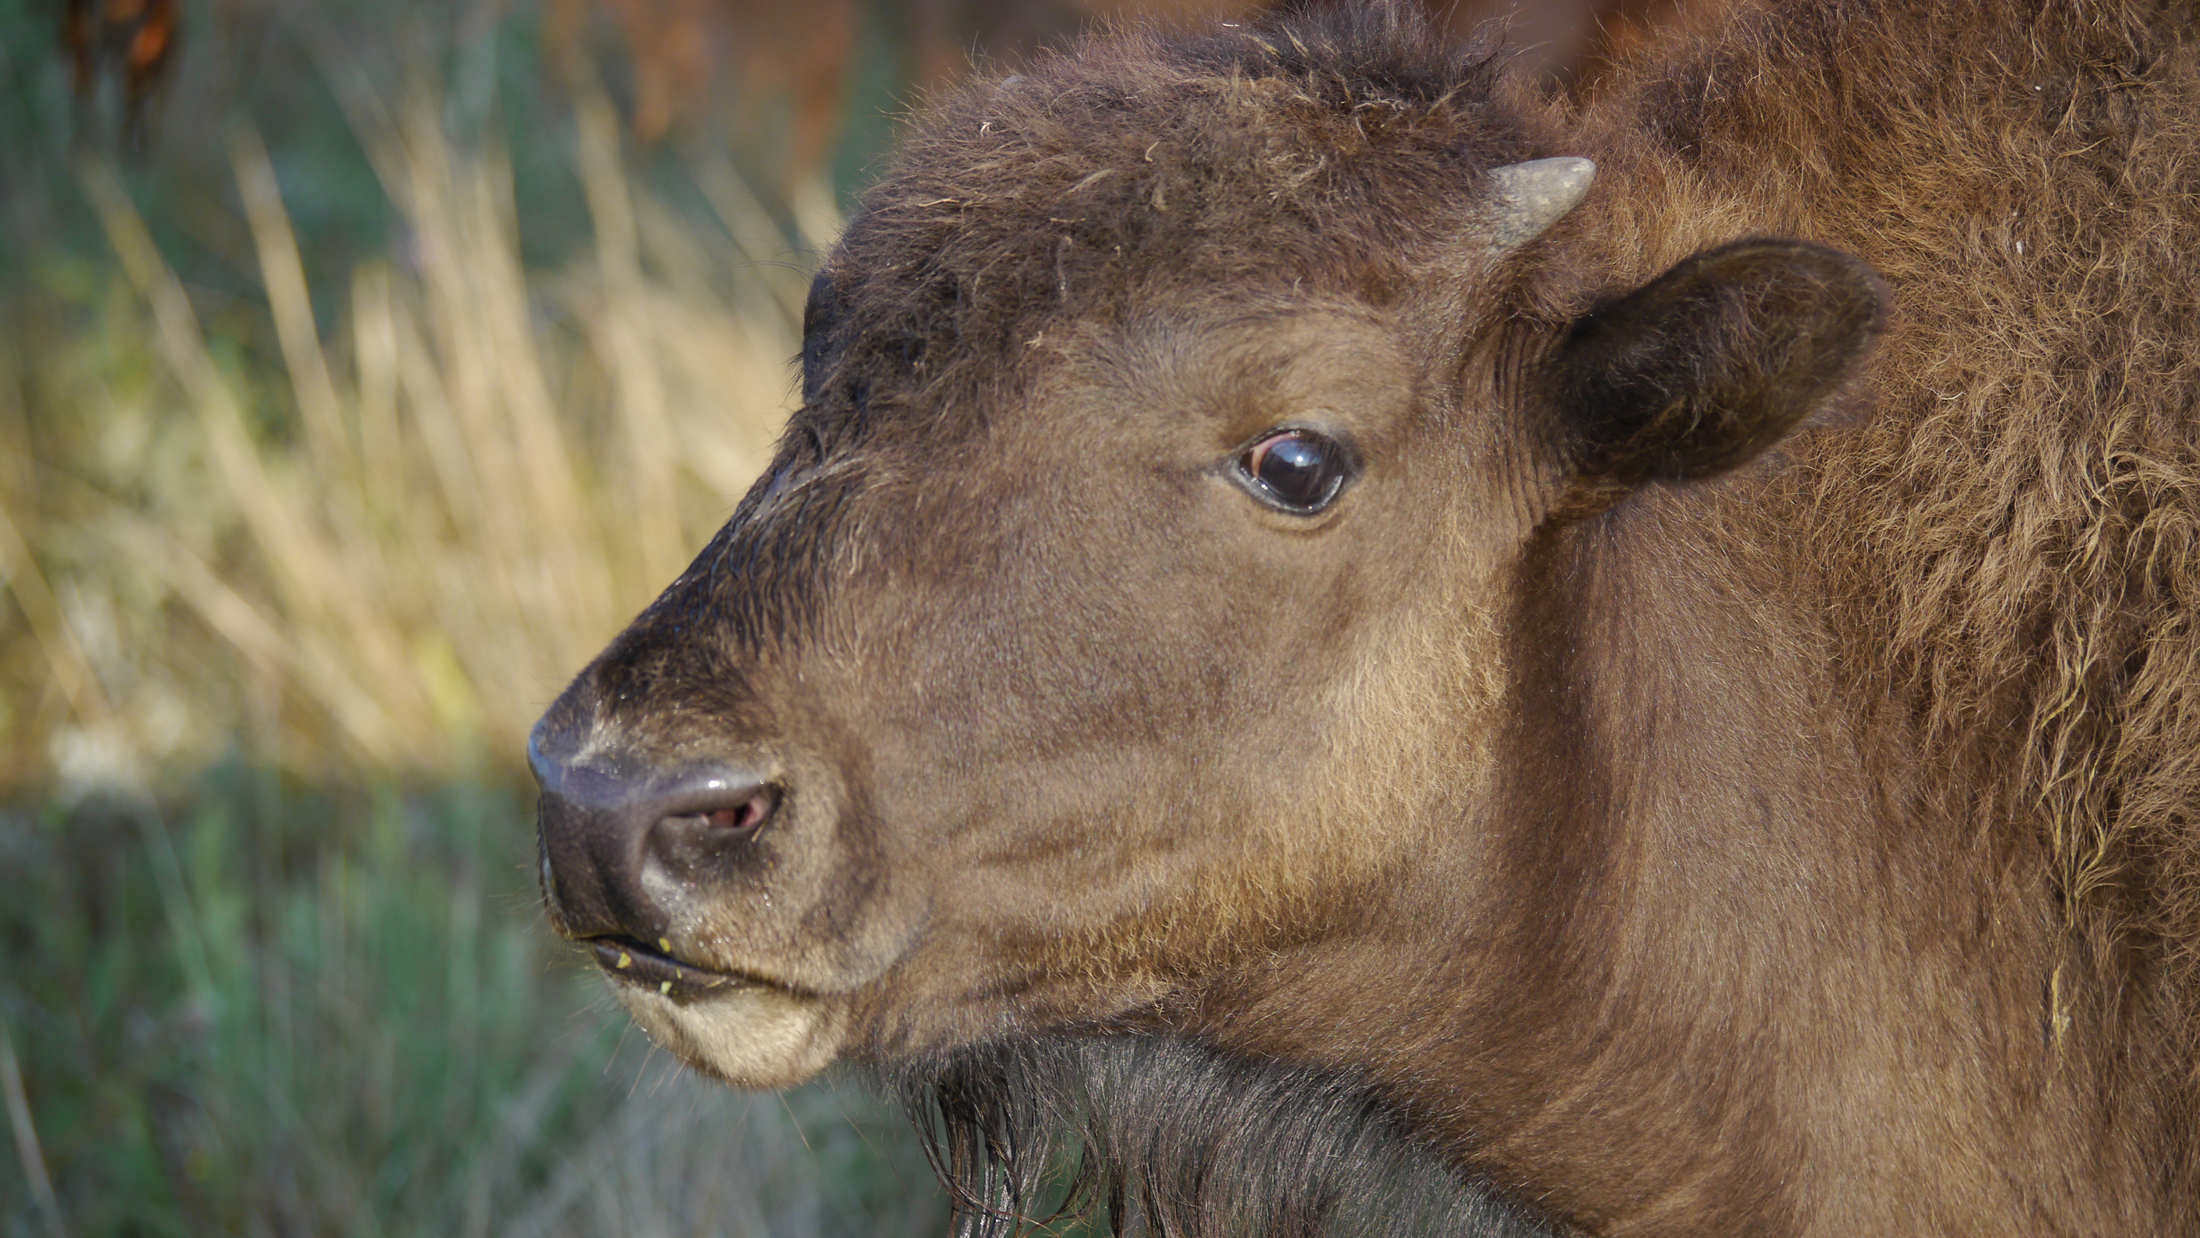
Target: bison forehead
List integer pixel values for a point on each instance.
(1328, 153)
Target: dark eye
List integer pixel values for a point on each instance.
(1297, 470)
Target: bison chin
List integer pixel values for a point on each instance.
(751, 1037)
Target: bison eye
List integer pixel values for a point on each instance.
(1297, 470)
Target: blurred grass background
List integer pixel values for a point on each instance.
(363, 367)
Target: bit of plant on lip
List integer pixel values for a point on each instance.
(631, 962)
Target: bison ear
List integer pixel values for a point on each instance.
(1707, 365)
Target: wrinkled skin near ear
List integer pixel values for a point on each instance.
(1707, 365)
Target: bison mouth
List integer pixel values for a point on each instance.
(628, 961)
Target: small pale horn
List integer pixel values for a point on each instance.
(1529, 197)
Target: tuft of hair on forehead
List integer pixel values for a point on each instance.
(1334, 151)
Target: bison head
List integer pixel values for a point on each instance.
(1129, 631)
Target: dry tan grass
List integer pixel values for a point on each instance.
(390, 553)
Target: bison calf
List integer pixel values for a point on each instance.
(1345, 634)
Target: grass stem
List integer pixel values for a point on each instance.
(26, 1138)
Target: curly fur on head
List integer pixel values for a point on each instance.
(1277, 156)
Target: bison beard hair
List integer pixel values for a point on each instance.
(1171, 1137)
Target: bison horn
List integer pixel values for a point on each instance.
(1530, 197)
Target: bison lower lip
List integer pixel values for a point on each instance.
(636, 964)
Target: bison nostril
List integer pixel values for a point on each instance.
(621, 844)
(745, 817)
(704, 831)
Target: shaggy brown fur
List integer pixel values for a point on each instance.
(1703, 774)
(2011, 548)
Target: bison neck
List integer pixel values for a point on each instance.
(1715, 971)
